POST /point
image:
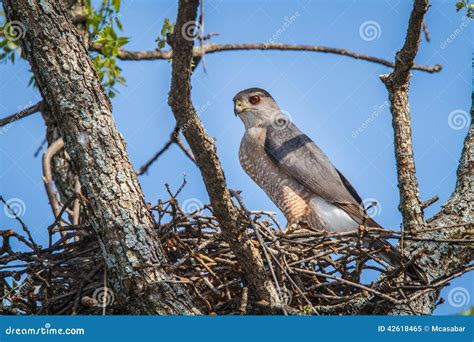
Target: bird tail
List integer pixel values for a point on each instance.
(392, 256)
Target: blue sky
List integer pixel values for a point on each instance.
(338, 101)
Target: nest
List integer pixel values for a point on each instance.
(314, 272)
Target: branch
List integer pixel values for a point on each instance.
(441, 258)
(54, 148)
(117, 211)
(199, 52)
(204, 150)
(21, 114)
(397, 84)
(174, 139)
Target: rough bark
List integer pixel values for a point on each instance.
(118, 212)
(63, 171)
(457, 218)
(397, 84)
(204, 151)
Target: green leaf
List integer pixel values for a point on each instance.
(116, 4)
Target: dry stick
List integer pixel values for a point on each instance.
(21, 114)
(157, 155)
(54, 148)
(360, 286)
(244, 301)
(186, 151)
(397, 84)
(237, 195)
(209, 48)
(426, 32)
(23, 226)
(77, 203)
(106, 293)
(294, 284)
(429, 202)
(76, 209)
(174, 139)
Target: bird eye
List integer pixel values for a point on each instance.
(254, 99)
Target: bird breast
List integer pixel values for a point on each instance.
(287, 193)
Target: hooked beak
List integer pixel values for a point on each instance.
(239, 107)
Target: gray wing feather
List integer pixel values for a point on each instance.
(295, 152)
(302, 159)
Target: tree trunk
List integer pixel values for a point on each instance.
(118, 212)
(204, 151)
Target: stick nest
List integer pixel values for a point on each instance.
(314, 272)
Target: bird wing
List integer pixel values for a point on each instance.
(303, 160)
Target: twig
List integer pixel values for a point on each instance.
(429, 202)
(237, 195)
(426, 32)
(173, 139)
(210, 48)
(21, 114)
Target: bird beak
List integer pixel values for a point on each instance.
(238, 107)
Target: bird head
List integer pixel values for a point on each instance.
(256, 108)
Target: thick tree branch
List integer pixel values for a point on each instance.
(118, 212)
(204, 151)
(438, 259)
(397, 84)
(199, 52)
(456, 216)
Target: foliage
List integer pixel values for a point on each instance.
(468, 312)
(167, 27)
(102, 24)
(7, 46)
(465, 4)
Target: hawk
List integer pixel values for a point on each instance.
(299, 178)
